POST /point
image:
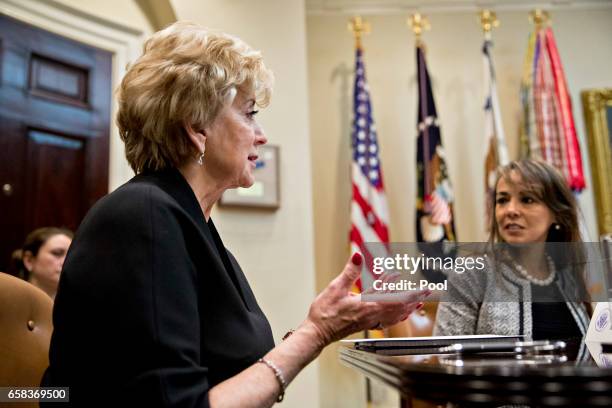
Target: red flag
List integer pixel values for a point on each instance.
(554, 140)
(572, 148)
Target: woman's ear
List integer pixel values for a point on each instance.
(28, 260)
(197, 138)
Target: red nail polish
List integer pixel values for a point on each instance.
(420, 305)
(356, 259)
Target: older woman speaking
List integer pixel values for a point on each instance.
(152, 309)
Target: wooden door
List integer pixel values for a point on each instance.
(54, 131)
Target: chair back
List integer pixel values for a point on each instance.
(25, 333)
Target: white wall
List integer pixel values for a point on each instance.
(275, 249)
(120, 11)
(455, 65)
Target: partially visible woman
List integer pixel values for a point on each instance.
(530, 288)
(153, 310)
(41, 258)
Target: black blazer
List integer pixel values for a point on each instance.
(151, 309)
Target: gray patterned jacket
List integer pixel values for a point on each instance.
(485, 302)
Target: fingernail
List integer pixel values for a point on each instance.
(404, 319)
(356, 259)
(420, 305)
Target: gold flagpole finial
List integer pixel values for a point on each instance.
(488, 21)
(358, 27)
(418, 23)
(539, 17)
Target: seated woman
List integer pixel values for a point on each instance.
(525, 290)
(152, 309)
(41, 257)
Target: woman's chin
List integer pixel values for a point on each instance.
(243, 181)
(247, 182)
(513, 239)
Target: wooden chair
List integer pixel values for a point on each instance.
(25, 334)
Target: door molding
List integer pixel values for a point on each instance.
(124, 42)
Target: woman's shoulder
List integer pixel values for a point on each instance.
(138, 194)
(131, 204)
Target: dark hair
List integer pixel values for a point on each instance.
(549, 186)
(32, 243)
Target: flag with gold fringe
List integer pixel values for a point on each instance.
(434, 217)
(548, 131)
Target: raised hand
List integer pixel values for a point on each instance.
(337, 312)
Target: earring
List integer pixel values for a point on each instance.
(201, 159)
(557, 226)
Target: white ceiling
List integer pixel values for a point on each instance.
(394, 6)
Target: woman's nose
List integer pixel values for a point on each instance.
(260, 137)
(512, 209)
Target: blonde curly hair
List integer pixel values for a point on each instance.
(185, 76)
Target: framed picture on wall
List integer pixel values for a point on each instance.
(265, 191)
(597, 105)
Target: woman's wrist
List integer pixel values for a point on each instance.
(313, 335)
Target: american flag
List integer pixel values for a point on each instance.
(369, 210)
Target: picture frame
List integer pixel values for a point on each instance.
(597, 106)
(265, 191)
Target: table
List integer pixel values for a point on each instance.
(566, 379)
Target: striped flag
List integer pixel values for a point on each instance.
(497, 151)
(369, 211)
(548, 130)
(435, 201)
(571, 147)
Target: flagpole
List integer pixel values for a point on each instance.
(418, 23)
(358, 27)
(539, 18)
(489, 21)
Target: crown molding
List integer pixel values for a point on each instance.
(385, 7)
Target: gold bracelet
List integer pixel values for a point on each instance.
(279, 377)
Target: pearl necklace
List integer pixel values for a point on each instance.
(536, 281)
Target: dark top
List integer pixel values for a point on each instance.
(151, 310)
(551, 317)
